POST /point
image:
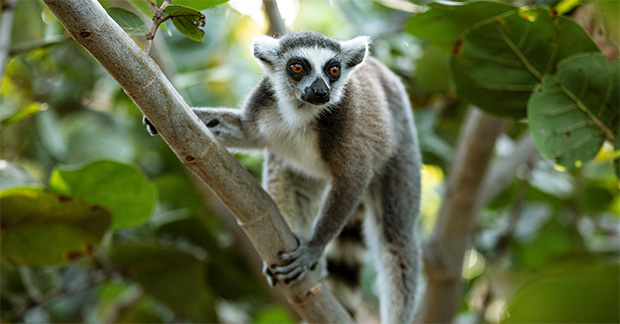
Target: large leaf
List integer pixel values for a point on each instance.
(572, 113)
(498, 61)
(39, 228)
(188, 21)
(444, 22)
(121, 188)
(174, 277)
(568, 295)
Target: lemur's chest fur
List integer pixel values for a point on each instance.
(298, 146)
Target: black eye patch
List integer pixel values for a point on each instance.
(328, 69)
(292, 66)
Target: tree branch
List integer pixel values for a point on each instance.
(503, 171)
(276, 24)
(8, 11)
(188, 137)
(457, 217)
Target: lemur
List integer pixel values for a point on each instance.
(341, 158)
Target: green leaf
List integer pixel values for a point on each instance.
(23, 113)
(121, 188)
(272, 314)
(444, 22)
(572, 113)
(174, 277)
(130, 23)
(498, 62)
(142, 6)
(40, 228)
(187, 21)
(199, 4)
(572, 295)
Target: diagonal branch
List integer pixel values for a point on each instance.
(152, 92)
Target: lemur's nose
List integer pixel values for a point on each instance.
(320, 93)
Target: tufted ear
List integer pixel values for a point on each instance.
(265, 48)
(354, 51)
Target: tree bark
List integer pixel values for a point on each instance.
(276, 24)
(188, 137)
(457, 217)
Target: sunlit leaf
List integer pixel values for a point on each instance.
(23, 113)
(121, 188)
(187, 21)
(40, 228)
(572, 113)
(273, 314)
(130, 23)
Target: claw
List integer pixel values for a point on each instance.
(269, 275)
(149, 127)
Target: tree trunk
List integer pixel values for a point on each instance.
(188, 137)
(457, 218)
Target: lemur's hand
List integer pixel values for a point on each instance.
(304, 258)
(149, 127)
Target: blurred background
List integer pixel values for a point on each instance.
(546, 243)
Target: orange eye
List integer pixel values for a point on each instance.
(334, 70)
(296, 68)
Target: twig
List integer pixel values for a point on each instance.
(92, 280)
(8, 12)
(122, 305)
(503, 171)
(515, 213)
(37, 45)
(157, 20)
(456, 221)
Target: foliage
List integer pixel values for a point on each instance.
(101, 223)
(501, 52)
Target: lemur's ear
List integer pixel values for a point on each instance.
(265, 48)
(354, 51)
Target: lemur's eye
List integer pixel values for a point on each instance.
(296, 68)
(334, 70)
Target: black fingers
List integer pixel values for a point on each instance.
(149, 127)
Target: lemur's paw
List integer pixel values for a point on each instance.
(269, 275)
(149, 127)
(301, 260)
(214, 126)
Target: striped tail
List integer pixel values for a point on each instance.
(345, 257)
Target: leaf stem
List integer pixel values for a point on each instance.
(157, 20)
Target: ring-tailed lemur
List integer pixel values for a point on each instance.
(341, 157)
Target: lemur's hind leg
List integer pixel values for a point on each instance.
(298, 198)
(392, 241)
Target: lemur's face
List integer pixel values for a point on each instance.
(309, 68)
